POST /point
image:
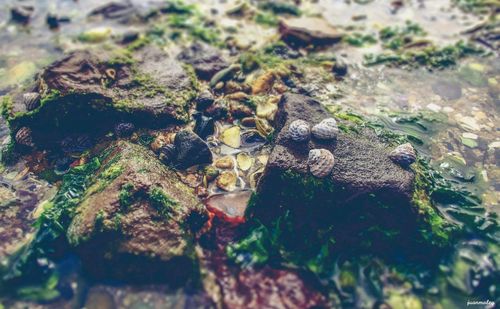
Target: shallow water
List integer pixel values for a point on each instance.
(452, 114)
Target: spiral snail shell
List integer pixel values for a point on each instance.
(299, 131)
(326, 129)
(320, 162)
(31, 100)
(404, 155)
(24, 137)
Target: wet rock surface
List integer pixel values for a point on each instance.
(134, 215)
(83, 91)
(190, 150)
(362, 175)
(205, 59)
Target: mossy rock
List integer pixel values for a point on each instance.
(367, 203)
(89, 93)
(136, 219)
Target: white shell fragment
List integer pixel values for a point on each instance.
(326, 129)
(404, 155)
(320, 162)
(299, 131)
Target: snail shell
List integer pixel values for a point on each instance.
(31, 100)
(299, 131)
(320, 162)
(124, 129)
(326, 129)
(404, 155)
(24, 137)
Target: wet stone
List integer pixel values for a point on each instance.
(82, 91)
(132, 227)
(363, 174)
(190, 150)
(206, 60)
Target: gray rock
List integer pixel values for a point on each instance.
(83, 91)
(362, 183)
(205, 59)
(190, 150)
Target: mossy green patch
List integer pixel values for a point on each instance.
(431, 56)
(163, 203)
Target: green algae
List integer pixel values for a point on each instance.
(432, 57)
(162, 202)
(359, 39)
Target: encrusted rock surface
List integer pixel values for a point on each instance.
(134, 221)
(84, 91)
(364, 189)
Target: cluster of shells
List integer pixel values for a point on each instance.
(300, 131)
(320, 161)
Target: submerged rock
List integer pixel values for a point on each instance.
(363, 194)
(305, 31)
(81, 92)
(205, 59)
(130, 223)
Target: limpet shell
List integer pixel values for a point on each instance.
(320, 162)
(404, 155)
(231, 137)
(326, 129)
(227, 181)
(299, 131)
(226, 162)
(31, 100)
(244, 161)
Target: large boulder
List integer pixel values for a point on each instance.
(367, 200)
(89, 93)
(136, 220)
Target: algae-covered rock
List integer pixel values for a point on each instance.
(367, 201)
(89, 93)
(136, 220)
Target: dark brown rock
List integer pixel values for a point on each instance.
(132, 222)
(83, 91)
(362, 178)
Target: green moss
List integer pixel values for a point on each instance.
(359, 39)
(267, 19)
(126, 195)
(163, 203)
(279, 8)
(431, 57)
(6, 105)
